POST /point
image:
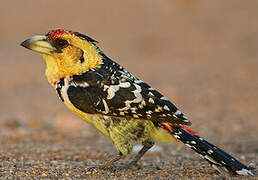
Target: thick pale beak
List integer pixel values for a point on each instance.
(39, 44)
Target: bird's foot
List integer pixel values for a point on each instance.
(92, 169)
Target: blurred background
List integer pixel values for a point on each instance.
(201, 54)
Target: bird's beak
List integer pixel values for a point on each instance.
(39, 44)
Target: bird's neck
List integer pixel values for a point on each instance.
(66, 66)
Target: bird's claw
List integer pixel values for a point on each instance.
(92, 169)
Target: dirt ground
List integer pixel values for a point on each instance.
(201, 54)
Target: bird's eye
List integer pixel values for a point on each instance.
(61, 43)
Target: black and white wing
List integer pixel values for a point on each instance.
(111, 90)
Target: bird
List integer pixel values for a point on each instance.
(121, 106)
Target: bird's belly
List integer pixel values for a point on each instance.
(123, 128)
(118, 129)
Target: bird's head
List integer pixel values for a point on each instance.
(66, 53)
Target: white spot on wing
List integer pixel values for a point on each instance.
(124, 85)
(105, 87)
(138, 98)
(166, 108)
(133, 111)
(111, 91)
(178, 112)
(105, 106)
(210, 151)
(158, 109)
(138, 81)
(150, 94)
(222, 162)
(178, 133)
(193, 142)
(137, 93)
(80, 84)
(148, 116)
(149, 112)
(186, 120)
(164, 98)
(151, 100)
(142, 104)
(135, 116)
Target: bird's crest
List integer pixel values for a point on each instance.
(57, 33)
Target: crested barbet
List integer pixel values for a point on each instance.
(121, 106)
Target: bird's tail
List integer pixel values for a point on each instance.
(219, 159)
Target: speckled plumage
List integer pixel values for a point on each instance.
(110, 90)
(121, 106)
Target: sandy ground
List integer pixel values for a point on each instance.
(202, 55)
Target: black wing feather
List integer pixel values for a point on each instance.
(93, 98)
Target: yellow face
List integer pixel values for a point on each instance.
(66, 53)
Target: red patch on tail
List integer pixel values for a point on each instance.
(170, 128)
(188, 129)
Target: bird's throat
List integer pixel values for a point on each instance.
(58, 66)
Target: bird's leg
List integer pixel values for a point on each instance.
(110, 162)
(146, 146)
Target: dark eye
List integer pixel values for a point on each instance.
(61, 43)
